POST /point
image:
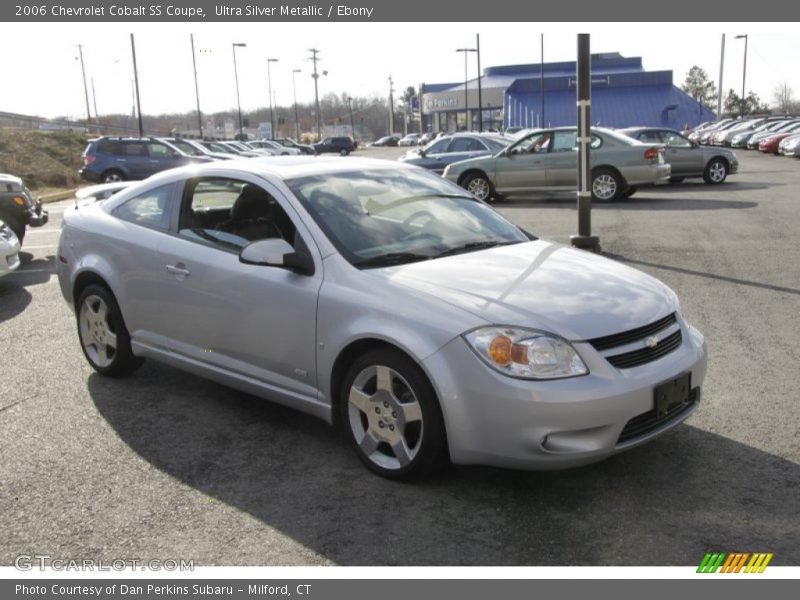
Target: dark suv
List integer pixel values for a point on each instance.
(108, 159)
(18, 207)
(342, 145)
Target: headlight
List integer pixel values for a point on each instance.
(526, 353)
(6, 234)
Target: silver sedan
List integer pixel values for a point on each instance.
(387, 300)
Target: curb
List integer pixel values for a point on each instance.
(58, 196)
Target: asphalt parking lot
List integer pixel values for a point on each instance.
(165, 465)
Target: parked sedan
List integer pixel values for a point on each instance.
(356, 300)
(412, 139)
(790, 146)
(388, 140)
(453, 148)
(547, 159)
(686, 158)
(790, 126)
(9, 250)
(274, 147)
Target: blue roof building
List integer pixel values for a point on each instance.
(623, 95)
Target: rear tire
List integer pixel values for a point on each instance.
(607, 185)
(104, 338)
(391, 416)
(344, 152)
(112, 176)
(629, 192)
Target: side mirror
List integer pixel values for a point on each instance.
(422, 152)
(277, 252)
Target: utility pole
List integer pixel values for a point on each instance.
(480, 93)
(391, 106)
(467, 122)
(269, 89)
(196, 89)
(315, 75)
(85, 89)
(94, 102)
(236, 79)
(721, 64)
(352, 124)
(136, 85)
(296, 117)
(541, 77)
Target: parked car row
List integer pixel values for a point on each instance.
(108, 159)
(766, 134)
(491, 166)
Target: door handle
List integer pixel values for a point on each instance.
(180, 270)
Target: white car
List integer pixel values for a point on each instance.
(275, 147)
(9, 250)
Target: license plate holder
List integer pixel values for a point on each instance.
(672, 394)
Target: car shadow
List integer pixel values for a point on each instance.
(684, 271)
(14, 299)
(644, 200)
(665, 503)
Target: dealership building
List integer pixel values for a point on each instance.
(623, 94)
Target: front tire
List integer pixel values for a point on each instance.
(479, 186)
(392, 418)
(716, 171)
(104, 338)
(344, 152)
(607, 185)
(629, 192)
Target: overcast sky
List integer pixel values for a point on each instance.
(42, 75)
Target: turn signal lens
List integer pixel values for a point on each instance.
(19, 201)
(500, 350)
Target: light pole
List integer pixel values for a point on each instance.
(196, 88)
(467, 124)
(744, 72)
(315, 75)
(480, 92)
(85, 89)
(352, 126)
(269, 89)
(296, 118)
(136, 83)
(236, 78)
(391, 106)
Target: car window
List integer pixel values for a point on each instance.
(150, 209)
(130, 149)
(649, 137)
(674, 140)
(385, 212)
(229, 214)
(157, 150)
(564, 141)
(438, 146)
(465, 144)
(535, 143)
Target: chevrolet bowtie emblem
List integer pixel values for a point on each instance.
(651, 342)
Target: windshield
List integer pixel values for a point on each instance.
(382, 217)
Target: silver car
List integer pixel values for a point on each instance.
(687, 158)
(546, 160)
(385, 299)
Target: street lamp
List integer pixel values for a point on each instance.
(296, 119)
(466, 104)
(269, 89)
(744, 71)
(236, 77)
(352, 126)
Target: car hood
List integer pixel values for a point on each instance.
(542, 285)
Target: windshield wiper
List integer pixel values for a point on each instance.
(392, 258)
(472, 246)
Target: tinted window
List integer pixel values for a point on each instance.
(150, 209)
(649, 137)
(159, 150)
(465, 144)
(130, 149)
(673, 139)
(438, 146)
(229, 214)
(104, 147)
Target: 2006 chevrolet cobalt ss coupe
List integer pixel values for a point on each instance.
(385, 299)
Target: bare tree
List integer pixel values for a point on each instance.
(783, 96)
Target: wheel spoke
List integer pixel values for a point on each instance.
(102, 355)
(368, 443)
(384, 378)
(401, 452)
(411, 412)
(359, 399)
(109, 337)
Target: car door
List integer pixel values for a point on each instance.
(249, 321)
(132, 158)
(162, 157)
(436, 156)
(562, 160)
(523, 165)
(685, 158)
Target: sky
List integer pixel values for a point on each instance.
(359, 58)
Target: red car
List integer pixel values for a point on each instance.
(771, 143)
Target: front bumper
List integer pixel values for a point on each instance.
(493, 419)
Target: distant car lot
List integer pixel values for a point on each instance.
(170, 465)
